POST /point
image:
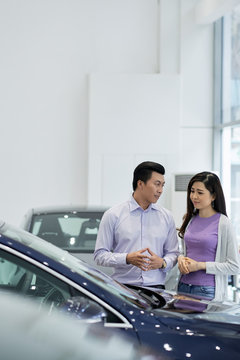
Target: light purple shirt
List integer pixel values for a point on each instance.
(201, 240)
(128, 228)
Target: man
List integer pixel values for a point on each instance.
(138, 238)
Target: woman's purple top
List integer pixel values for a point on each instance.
(201, 240)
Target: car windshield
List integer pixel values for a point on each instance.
(74, 264)
(73, 231)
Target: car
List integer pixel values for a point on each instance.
(72, 228)
(174, 325)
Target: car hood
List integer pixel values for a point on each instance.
(198, 309)
(170, 304)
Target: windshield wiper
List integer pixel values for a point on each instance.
(152, 297)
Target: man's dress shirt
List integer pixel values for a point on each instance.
(127, 228)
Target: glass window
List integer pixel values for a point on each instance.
(231, 173)
(21, 277)
(227, 111)
(77, 232)
(235, 64)
(71, 262)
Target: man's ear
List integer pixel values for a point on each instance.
(139, 184)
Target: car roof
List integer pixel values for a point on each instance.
(66, 208)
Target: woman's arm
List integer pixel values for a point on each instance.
(194, 265)
(227, 256)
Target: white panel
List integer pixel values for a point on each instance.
(117, 178)
(196, 69)
(135, 114)
(169, 36)
(196, 149)
(125, 35)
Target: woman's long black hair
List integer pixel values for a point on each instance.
(213, 185)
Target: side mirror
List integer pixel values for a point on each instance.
(84, 309)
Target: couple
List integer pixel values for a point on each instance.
(138, 238)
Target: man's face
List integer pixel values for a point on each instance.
(152, 190)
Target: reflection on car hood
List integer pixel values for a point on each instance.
(187, 307)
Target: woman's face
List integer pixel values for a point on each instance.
(201, 196)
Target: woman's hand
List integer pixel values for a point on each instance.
(183, 265)
(187, 265)
(194, 265)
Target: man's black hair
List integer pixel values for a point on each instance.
(144, 172)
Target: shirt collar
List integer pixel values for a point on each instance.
(133, 205)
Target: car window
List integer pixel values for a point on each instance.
(71, 262)
(76, 232)
(21, 277)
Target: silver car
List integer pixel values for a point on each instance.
(72, 228)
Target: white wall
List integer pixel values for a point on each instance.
(196, 64)
(56, 58)
(165, 117)
(132, 118)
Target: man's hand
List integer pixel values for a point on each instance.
(155, 262)
(143, 261)
(139, 259)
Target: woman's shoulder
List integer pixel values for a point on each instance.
(225, 223)
(224, 219)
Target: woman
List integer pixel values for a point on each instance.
(210, 247)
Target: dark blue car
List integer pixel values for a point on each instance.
(174, 325)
